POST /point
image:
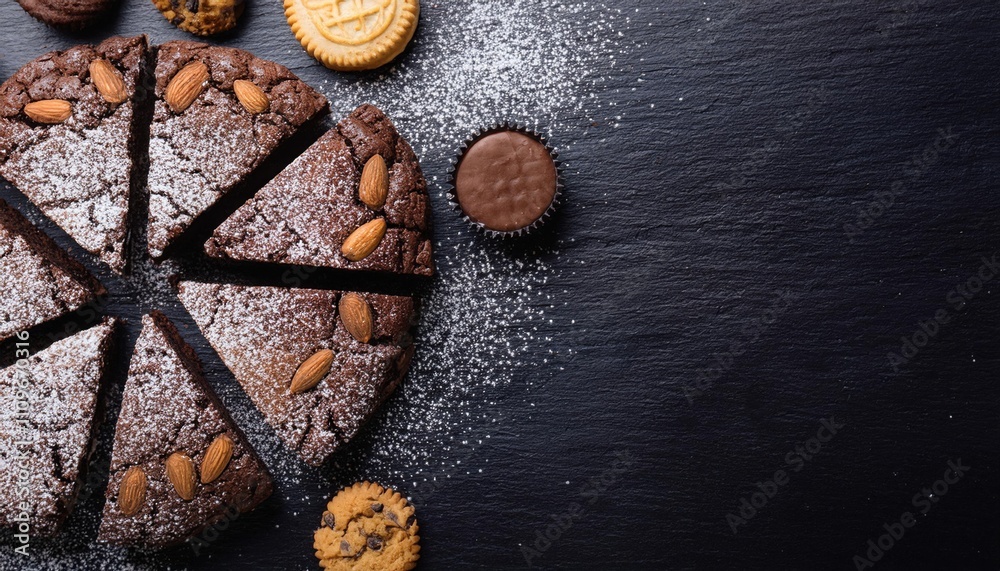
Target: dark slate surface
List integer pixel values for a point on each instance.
(723, 310)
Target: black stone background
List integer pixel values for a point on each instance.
(794, 117)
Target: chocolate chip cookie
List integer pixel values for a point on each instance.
(367, 526)
(201, 17)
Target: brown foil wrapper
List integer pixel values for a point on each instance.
(476, 136)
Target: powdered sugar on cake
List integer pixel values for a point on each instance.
(200, 153)
(264, 334)
(47, 416)
(192, 163)
(81, 182)
(167, 408)
(36, 284)
(77, 171)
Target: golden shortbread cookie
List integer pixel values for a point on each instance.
(368, 528)
(351, 35)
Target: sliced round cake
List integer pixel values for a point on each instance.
(317, 363)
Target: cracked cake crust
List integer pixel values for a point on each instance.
(306, 213)
(168, 407)
(64, 385)
(198, 155)
(79, 171)
(39, 280)
(263, 334)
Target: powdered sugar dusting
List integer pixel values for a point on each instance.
(477, 330)
(200, 154)
(541, 63)
(192, 162)
(77, 171)
(81, 181)
(46, 417)
(478, 63)
(34, 288)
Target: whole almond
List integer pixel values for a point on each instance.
(132, 491)
(108, 81)
(312, 371)
(180, 470)
(217, 457)
(374, 186)
(186, 86)
(364, 240)
(252, 97)
(357, 316)
(49, 111)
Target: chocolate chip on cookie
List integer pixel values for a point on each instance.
(361, 529)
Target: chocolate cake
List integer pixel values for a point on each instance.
(179, 463)
(272, 338)
(47, 428)
(219, 113)
(67, 138)
(356, 199)
(38, 279)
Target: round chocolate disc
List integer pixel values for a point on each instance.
(506, 181)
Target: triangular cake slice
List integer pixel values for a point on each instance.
(38, 279)
(243, 107)
(265, 335)
(67, 138)
(179, 463)
(48, 420)
(307, 212)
